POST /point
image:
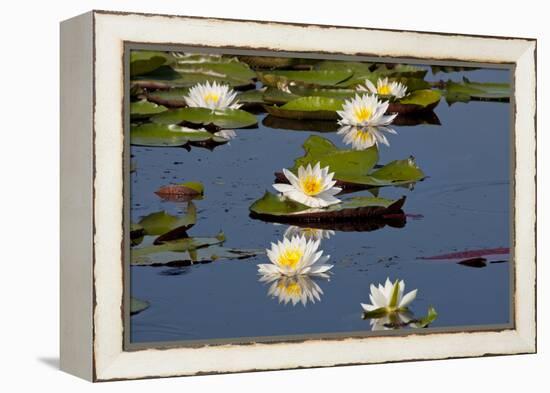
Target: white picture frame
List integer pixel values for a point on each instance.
(92, 194)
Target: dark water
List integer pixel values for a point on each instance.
(464, 205)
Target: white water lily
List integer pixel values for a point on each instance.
(389, 297)
(296, 289)
(295, 256)
(309, 233)
(365, 111)
(363, 138)
(385, 88)
(312, 187)
(226, 134)
(212, 96)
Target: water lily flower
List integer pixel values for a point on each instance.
(295, 256)
(312, 187)
(365, 111)
(309, 233)
(363, 138)
(212, 96)
(226, 134)
(296, 289)
(389, 297)
(384, 88)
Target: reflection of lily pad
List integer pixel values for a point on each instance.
(137, 306)
(354, 168)
(300, 125)
(416, 118)
(228, 118)
(468, 91)
(306, 108)
(272, 207)
(162, 135)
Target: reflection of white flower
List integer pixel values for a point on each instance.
(212, 96)
(394, 320)
(389, 297)
(309, 233)
(384, 88)
(294, 257)
(226, 134)
(363, 138)
(365, 111)
(312, 187)
(294, 289)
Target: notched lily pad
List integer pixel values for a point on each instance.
(417, 101)
(228, 118)
(166, 226)
(273, 207)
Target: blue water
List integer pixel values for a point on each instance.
(464, 205)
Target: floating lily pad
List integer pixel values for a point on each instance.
(273, 207)
(137, 306)
(188, 189)
(165, 135)
(305, 78)
(143, 62)
(417, 101)
(354, 168)
(228, 118)
(268, 62)
(173, 98)
(300, 125)
(143, 109)
(305, 108)
(231, 69)
(168, 227)
(468, 91)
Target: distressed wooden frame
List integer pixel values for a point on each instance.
(92, 194)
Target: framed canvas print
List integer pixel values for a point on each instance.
(244, 195)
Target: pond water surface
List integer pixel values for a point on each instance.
(463, 204)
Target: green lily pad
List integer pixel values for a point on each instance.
(468, 91)
(307, 78)
(173, 98)
(143, 62)
(428, 319)
(273, 207)
(353, 168)
(300, 125)
(143, 109)
(166, 135)
(322, 108)
(137, 306)
(161, 223)
(231, 69)
(268, 62)
(228, 118)
(417, 101)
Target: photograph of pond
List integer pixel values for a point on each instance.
(274, 197)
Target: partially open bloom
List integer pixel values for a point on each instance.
(226, 134)
(389, 297)
(212, 96)
(312, 187)
(295, 289)
(384, 88)
(363, 138)
(309, 233)
(365, 111)
(295, 256)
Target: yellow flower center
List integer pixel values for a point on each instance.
(384, 90)
(362, 136)
(292, 288)
(290, 257)
(211, 97)
(362, 114)
(311, 185)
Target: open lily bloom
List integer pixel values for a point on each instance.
(312, 187)
(365, 111)
(212, 96)
(296, 289)
(384, 88)
(389, 297)
(363, 138)
(295, 256)
(309, 233)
